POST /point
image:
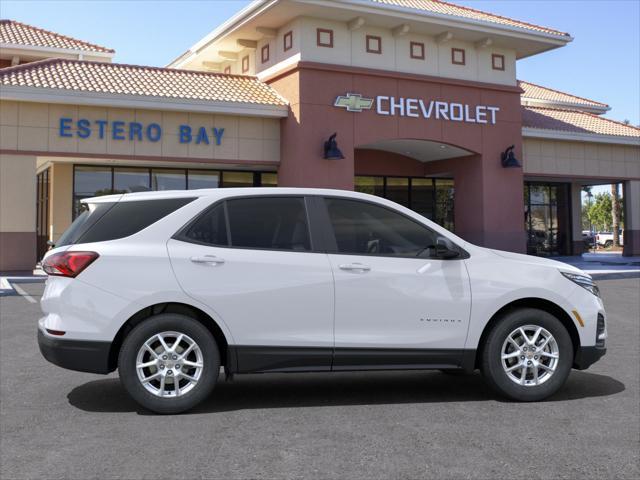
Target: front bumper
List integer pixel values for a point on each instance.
(79, 355)
(587, 356)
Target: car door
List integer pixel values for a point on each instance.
(251, 261)
(396, 301)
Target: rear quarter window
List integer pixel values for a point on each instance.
(126, 218)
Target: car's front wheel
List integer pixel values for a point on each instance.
(527, 355)
(169, 363)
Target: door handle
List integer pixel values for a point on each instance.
(207, 259)
(359, 267)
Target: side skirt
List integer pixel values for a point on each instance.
(259, 359)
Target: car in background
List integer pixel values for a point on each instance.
(589, 238)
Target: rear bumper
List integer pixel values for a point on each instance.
(587, 356)
(79, 355)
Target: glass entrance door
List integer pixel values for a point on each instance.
(547, 218)
(42, 212)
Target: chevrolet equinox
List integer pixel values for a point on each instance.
(168, 287)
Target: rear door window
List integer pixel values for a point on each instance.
(274, 223)
(209, 229)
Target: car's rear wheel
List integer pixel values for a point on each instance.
(527, 355)
(169, 363)
(608, 244)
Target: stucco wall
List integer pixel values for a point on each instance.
(17, 212)
(35, 127)
(580, 159)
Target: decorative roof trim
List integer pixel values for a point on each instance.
(92, 47)
(256, 7)
(523, 25)
(587, 101)
(583, 107)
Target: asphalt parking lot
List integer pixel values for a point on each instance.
(61, 424)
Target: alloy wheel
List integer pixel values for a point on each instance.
(169, 364)
(530, 355)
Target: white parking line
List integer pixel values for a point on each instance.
(24, 294)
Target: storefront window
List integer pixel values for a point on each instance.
(546, 218)
(444, 202)
(203, 179)
(398, 190)
(370, 185)
(90, 182)
(422, 193)
(126, 180)
(237, 179)
(430, 197)
(164, 179)
(268, 179)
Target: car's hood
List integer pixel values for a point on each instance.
(538, 261)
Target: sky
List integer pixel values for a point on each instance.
(602, 63)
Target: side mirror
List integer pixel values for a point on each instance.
(445, 250)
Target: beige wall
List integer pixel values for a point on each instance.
(60, 201)
(580, 159)
(17, 193)
(350, 49)
(34, 127)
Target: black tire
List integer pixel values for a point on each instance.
(608, 244)
(162, 323)
(491, 362)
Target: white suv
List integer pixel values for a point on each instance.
(170, 286)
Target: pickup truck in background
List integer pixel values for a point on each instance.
(605, 239)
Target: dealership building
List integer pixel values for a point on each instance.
(423, 96)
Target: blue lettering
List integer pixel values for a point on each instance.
(218, 132)
(135, 129)
(185, 134)
(202, 136)
(83, 128)
(154, 132)
(65, 127)
(102, 124)
(117, 130)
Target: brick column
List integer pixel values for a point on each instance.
(631, 192)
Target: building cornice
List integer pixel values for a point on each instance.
(287, 69)
(49, 51)
(528, 132)
(51, 95)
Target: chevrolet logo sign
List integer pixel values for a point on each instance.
(353, 102)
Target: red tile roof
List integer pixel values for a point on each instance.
(444, 8)
(114, 78)
(575, 121)
(538, 92)
(17, 33)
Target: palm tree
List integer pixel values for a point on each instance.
(615, 214)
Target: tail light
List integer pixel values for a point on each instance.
(68, 264)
